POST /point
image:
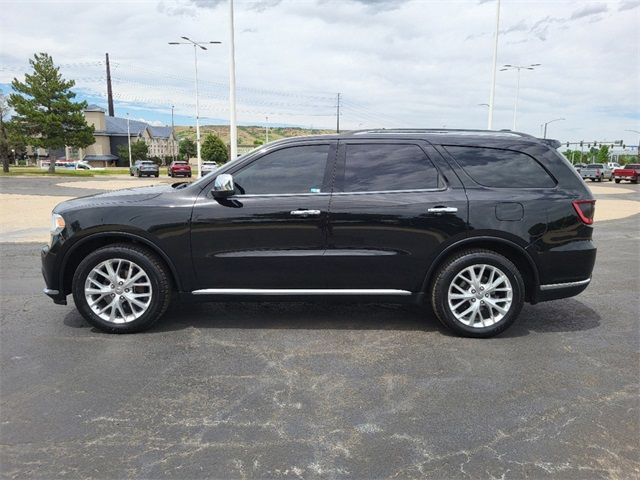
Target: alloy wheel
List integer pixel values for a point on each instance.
(118, 290)
(480, 296)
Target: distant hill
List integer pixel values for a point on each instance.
(252, 135)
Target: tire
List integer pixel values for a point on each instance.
(617, 180)
(139, 174)
(157, 175)
(449, 273)
(189, 175)
(127, 317)
(130, 173)
(634, 181)
(169, 174)
(599, 179)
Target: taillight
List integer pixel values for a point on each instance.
(597, 171)
(585, 210)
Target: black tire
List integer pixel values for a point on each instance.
(617, 180)
(157, 175)
(139, 174)
(156, 270)
(189, 175)
(169, 173)
(130, 173)
(447, 273)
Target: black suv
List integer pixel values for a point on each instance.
(472, 222)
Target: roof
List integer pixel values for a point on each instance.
(109, 157)
(161, 132)
(94, 108)
(118, 126)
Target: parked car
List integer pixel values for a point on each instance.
(629, 172)
(613, 165)
(579, 166)
(179, 169)
(144, 167)
(208, 167)
(596, 172)
(472, 223)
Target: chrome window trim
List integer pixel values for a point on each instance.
(300, 291)
(557, 286)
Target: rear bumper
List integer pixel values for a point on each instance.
(553, 291)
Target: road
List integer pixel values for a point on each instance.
(324, 391)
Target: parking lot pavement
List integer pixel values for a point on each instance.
(324, 391)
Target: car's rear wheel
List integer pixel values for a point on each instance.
(121, 288)
(617, 180)
(477, 293)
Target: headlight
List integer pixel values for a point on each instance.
(57, 223)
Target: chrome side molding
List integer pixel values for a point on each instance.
(557, 286)
(300, 291)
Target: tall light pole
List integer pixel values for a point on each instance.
(493, 68)
(266, 131)
(196, 45)
(173, 137)
(547, 123)
(518, 68)
(233, 130)
(129, 138)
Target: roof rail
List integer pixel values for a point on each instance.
(454, 131)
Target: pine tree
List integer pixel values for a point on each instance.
(45, 114)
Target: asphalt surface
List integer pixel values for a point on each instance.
(323, 391)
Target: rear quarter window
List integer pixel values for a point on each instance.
(493, 167)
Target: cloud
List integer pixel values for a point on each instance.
(589, 10)
(628, 5)
(395, 63)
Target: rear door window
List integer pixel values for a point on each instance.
(387, 167)
(494, 167)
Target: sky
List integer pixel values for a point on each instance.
(395, 63)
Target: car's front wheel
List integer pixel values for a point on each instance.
(121, 288)
(477, 293)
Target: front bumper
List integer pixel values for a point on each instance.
(52, 281)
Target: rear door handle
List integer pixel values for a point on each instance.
(305, 213)
(443, 210)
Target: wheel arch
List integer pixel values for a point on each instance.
(90, 243)
(511, 250)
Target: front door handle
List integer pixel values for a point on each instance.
(305, 213)
(443, 210)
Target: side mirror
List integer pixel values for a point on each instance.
(223, 186)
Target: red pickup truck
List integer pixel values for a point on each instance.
(629, 172)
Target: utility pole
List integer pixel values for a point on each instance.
(266, 131)
(338, 115)
(109, 92)
(493, 69)
(129, 138)
(173, 137)
(233, 129)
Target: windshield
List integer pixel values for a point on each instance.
(595, 165)
(633, 166)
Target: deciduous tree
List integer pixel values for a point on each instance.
(214, 149)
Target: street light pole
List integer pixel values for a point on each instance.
(547, 123)
(518, 68)
(493, 68)
(173, 137)
(233, 130)
(196, 45)
(129, 138)
(266, 132)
